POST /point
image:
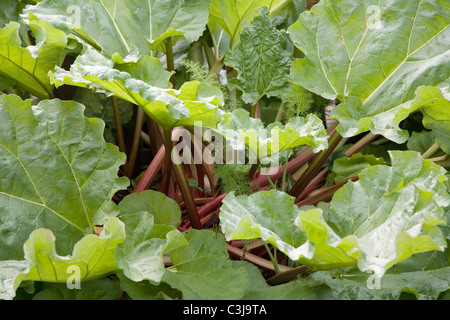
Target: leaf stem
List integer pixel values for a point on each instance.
(316, 165)
(358, 146)
(151, 172)
(118, 124)
(283, 180)
(209, 54)
(253, 258)
(324, 194)
(168, 144)
(252, 110)
(288, 275)
(270, 182)
(196, 52)
(215, 68)
(272, 257)
(136, 141)
(431, 150)
(280, 112)
(191, 207)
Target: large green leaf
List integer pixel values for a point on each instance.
(93, 257)
(261, 60)
(122, 26)
(10, 11)
(57, 173)
(170, 108)
(264, 141)
(231, 15)
(29, 66)
(388, 215)
(372, 55)
(435, 105)
(202, 269)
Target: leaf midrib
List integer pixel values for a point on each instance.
(381, 85)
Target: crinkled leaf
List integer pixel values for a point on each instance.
(170, 108)
(345, 168)
(435, 105)
(140, 256)
(57, 173)
(242, 130)
(93, 257)
(391, 213)
(122, 26)
(30, 65)
(202, 269)
(388, 215)
(269, 215)
(372, 55)
(11, 275)
(261, 60)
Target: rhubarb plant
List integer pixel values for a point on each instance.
(136, 138)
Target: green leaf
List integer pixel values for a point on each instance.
(100, 106)
(58, 173)
(29, 66)
(388, 215)
(261, 60)
(164, 209)
(169, 108)
(93, 257)
(202, 269)
(231, 15)
(391, 213)
(372, 56)
(345, 168)
(122, 26)
(422, 141)
(435, 105)
(240, 129)
(140, 256)
(269, 215)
